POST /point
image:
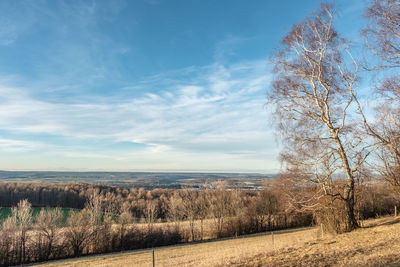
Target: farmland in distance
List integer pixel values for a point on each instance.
(146, 180)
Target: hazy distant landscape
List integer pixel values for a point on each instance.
(146, 180)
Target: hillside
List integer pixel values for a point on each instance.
(377, 243)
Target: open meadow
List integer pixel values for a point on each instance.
(6, 212)
(376, 244)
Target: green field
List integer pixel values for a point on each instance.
(5, 212)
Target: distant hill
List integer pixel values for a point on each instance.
(146, 180)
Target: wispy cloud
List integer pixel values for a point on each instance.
(149, 84)
(15, 20)
(219, 111)
(226, 48)
(11, 145)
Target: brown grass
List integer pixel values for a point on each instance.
(378, 243)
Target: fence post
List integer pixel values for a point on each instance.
(154, 263)
(395, 211)
(322, 230)
(273, 240)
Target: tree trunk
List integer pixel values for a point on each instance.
(192, 229)
(76, 251)
(201, 227)
(348, 196)
(351, 218)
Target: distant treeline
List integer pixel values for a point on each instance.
(138, 201)
(45, 194)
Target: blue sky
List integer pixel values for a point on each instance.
(144, 84)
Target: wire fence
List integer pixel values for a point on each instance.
(224, 251)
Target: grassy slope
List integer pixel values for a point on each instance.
(378, 243)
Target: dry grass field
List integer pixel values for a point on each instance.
(376, 244)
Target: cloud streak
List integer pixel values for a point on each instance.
(219, 111)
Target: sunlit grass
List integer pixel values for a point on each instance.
(376, 244)
(201, 254)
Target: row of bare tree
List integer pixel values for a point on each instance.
(103, 225)
(331, 136)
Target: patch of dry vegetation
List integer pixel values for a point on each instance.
(376, 244)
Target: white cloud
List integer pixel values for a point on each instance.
(11, 145)
(218, 116)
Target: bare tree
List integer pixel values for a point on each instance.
(79, 231)
(203, 210)
(22, 217)
(266, 207)
(222, 205)
(315, 102)
(47, 228)
(386, 130)
(150, 213)
(175, 206)
(94, 205)
(100, 222)
(382, 37)
(190, 208)
(124, 219)
(8, 242)
(101, 241)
